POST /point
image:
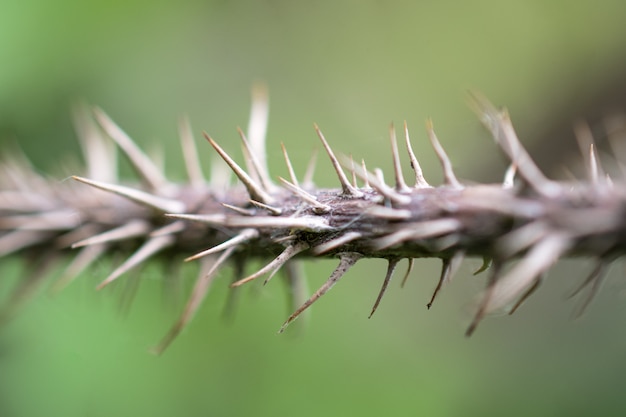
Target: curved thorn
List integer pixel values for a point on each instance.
(347, 260)
(448, 172)
(391, 266)
(407, 273)
(420, 181)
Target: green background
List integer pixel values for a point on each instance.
(352, 67)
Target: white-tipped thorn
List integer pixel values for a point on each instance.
(418, 231)
(420, 181)
(273, 267)
(336, 242)
(346, 187)
(190, 153)
(148, 171)
(306, 197)
(255, 190)
(253, 164)
(380, 186)
(130, 230)
(397, 166)
(292, 174)
(446, 165)
(244, 236)
(390, 268)
(167, 205)
(305, 222)
(151, 247)
(242, 211)
(347, 260)
(273, 210)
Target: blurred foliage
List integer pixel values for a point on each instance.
(352, 67)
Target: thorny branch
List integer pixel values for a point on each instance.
(534, 220)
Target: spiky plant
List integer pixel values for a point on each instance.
(532, 220)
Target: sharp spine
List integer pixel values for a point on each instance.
(292, 174)
(308, 198)
(448, 172)
(130, 230)
(244, 236)
(391, 266)
(346, 187)
(420, 181)
(397, 166)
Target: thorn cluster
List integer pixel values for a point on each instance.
(532, 220)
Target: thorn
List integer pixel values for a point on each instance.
(16, 240)
(190, 153)
(449, 268)
(167, 205)
(99, 154)
(306, 197)
(486, 264)
(524, 274)
(244, 236)
(257, 125)
(420, 181)
(292, 174)
(130, 230)
(336, 242)
(51, 220)
(509, 177)
(595, 278)
(354, 183)
(499, 124)
(391, 266)
(195, 300)
(366, 182)
(347, 260)
(535, 285)
(297, 285)
(397, 167)
(310, 170)
(254, 166)
(151, 247)
(169, 229)
(522, 238)
(85, 257)
(345, 184)
(242, 211)
(255, 191)
(381, 187)
(407, 273)
(489, 291)
(448, 172)
(304, 222)
(273, 210)
(273, 267)
(417, 231)
(144, 167)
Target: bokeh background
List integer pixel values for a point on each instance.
(352, 67)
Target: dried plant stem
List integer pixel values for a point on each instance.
(534, 220)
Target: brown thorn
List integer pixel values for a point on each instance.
(420, 181)
(448, 172)
(163, 204)
(445, 273)
(530, 291)
(273, 267)
(190, 153)
(397, 166)
(256, 191)
(195, 300)
(343, 180)
(408, 272)
(292, 174)
(391, 266)
(347, 260)
(244, 236)
(148, 171)
(151, 247)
